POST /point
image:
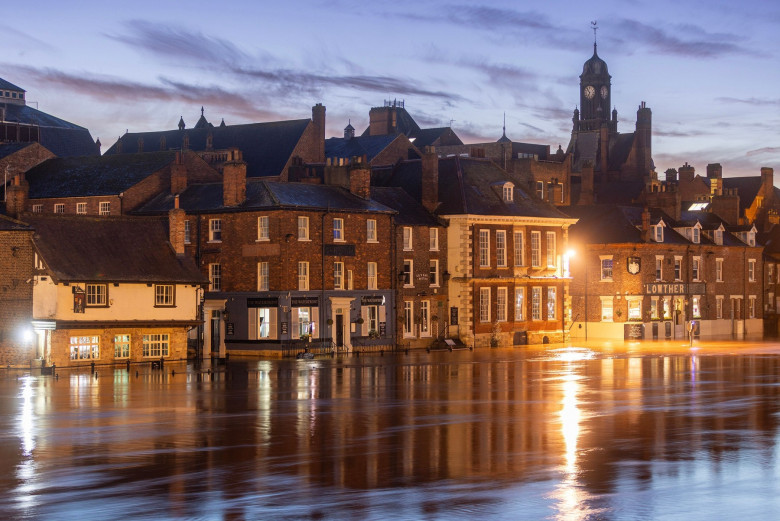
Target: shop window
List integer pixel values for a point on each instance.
(85, 347)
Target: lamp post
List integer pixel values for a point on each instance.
(567, 276)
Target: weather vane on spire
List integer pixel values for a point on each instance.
(595, 26)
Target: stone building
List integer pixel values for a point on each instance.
(642, 274)
(16, 290)
(290, 264)
(111, 289)
(269, 148)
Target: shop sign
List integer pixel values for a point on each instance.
(262, 302)
(372, 300)
(633, 265)
(304, 302)
(674, 288)
(454, 316)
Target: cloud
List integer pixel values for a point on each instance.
(697, 43)
(217, 54)
(756, 102)
(762, 151)
(111, 90)
(13, 37)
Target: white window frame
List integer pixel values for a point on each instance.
(338, 275)
(96, 295)
(303, 276)
(696, 306)
(607, 309)
(156, 345)
(696, 235)
(408, 273)
(37, 208)
(552, 253)
(696, 268)
(433, 277)
(536, 303)
(719, 306)
(751, 306)
(408, 330)
(518, 247)
(678, 272)
(215, 230)
(433, 239)
(508, 192)
(658, 233)
(484, 304)
(484, 248)
(84, 347)
(536, 249)
(407, 238)
(552, 303)
(501, 249)
(338, 229)
(519, 304)
(751, 270)
(371, 275)
(122, 346)
(371, 230)
(59, 208)
(164, 295)
(187, 233)
(263, 228)
(659, 267)
(425, 318)
(104, 208)
(607, 272)
(719, 270)
(303, 228)
(501, 304)
(81, 208)
(215, 277)
(262, 276)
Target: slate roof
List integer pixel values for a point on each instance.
(584, 146)
(266, 147)
(5, 84)
(63, 138)
(747, 188)
(429, 136)
(619, 192)
(615, 224)
(410, 212)
(369, 146)
(405, 124)
(8, 224)
(473, 186)
(619, 148)
(6, 149)
(93, 175)
(261, 194)
(110, 249)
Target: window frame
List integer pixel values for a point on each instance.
(518, 248)
(215, 276)
(484, 304)
(87, 347)
(484, 248)
(536, 303)
(519, 304)
(433, 235)
(122, 345)
(104, 208)
(303, 228)
(155, 345)
(536, 249)
(303, 276)
(372, 276)
(433, 274)
(338, 229)
(100, 303)
(263, 228)
(502, 297)
(552, 250)
(408, 281)
(164, 295)
(215, 230)
(371, 231)
(607, 271)
(407, 238)
(81, 208)
(338, 275)
(263, 276)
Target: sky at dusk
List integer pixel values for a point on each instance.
(709, 70)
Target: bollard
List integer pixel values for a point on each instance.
(92, 366)
(128, 366)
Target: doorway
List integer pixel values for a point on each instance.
(216, 316)
(339, 330)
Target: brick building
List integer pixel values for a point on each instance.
(111, 289)
(104, 185)
(290, 262)
(16, 270)
(642, 274)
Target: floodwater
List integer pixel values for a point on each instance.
(641, 431)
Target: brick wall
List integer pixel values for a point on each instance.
(16, 268)
(24, 159)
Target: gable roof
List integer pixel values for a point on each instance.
(440, 136)
(410, 212)
(369, 146)
(266, 147)
(262, 194)
(5, 84)
(93, 175)
(6, 149)
(110, 249)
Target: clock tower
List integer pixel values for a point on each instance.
(595, 94)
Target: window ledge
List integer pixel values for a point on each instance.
(262, 240)
(372, 241)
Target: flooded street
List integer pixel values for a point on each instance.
(646, 431)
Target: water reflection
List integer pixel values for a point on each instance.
(565, 434)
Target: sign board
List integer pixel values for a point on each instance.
(633, 331)
(230, 329)
(79, 302)
(262, 302)
(383, 329)
(283, 329)
(634, 265)
(674, 288)
(372, 300)
(304, 302)
(339, 250)
(453, 316)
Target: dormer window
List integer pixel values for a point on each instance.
(751, 238)
(508, 191)
(696, 235)
(658, 233)
(717, 237)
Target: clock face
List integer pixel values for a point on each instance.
(590, 91)
(604, 92)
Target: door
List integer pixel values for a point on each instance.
(216, 316)
(679, 318)
(339, 330)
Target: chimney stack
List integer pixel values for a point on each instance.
(234, 179)
(318, 118)
(645, 225)
(176, 220)
(586, 177)
(686, 173)
(17, 194)
(360, 178)
(178, 175)
(430, 179)
(767, 181)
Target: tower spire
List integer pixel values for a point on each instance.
(595, 26)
